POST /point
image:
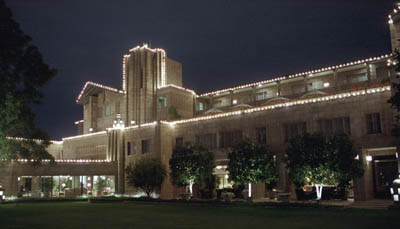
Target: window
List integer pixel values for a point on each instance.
(131, 148)
(208, 141)
(374, 123)
(381, 72)
(201, 106)
(141, 78)
(336, 125)
(146, 146)
(297, 89)
(315, 86)
(356, 78)
(294, 130)
(179, 142)
(218, 103)
(261, 96)
(107, 110)
(261, 135)
(162, 101)
(229, 138)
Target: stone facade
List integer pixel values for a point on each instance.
(153, 112)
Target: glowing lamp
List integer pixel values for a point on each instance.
(326, 84)
(369, 158)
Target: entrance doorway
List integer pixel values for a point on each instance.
(385, 170)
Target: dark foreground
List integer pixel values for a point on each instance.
(157, 215)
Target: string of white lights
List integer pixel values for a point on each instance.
(315, 99)
(97, 85)
(297, 75)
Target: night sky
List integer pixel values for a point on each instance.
(220, 43)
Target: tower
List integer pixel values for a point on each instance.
(394, 26)
(145, 70)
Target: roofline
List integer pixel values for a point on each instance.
(97, 85)
(285, 77)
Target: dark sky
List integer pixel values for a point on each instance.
(220, 43)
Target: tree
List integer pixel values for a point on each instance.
(191, 164)
(146, 174)
(251, 163)
(395, 98)
(22, 74)
(322, 160)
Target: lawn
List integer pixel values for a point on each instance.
(162, 215)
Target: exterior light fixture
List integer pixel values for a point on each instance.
(326, 84)
(357, 157)
(90, 129)
(133, 122)
(369, 158)
(234, 101)
(2, 196)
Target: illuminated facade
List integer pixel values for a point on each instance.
(152, 113)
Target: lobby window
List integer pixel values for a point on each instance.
(261, 96)
(107, 110)
(374, 123)
(146, 146)
(294, 129)
(162, 101)
(261, 135)
(131, 148)
(208, 141)
(336, 125)
(201, 106)
(229, 138)
(179, 142)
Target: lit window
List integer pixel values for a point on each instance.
(107, 110)
(261, 96)
(162, 101)
(201, 106)
(356, 78)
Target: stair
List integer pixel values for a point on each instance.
(377, 204)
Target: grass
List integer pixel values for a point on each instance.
(162, 215)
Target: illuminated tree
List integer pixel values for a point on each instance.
(322, 160)
(22, 74)
(251, 163)
(191, 164)
(146, 174)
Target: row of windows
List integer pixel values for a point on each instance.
(132, 148)
(325, 126)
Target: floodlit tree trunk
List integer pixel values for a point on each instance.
(318, 187)
(249, 190)
(191, 188)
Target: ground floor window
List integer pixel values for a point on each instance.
(65, 186)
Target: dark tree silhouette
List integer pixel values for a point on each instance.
(22, 74)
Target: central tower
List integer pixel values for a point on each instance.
(146, 70)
